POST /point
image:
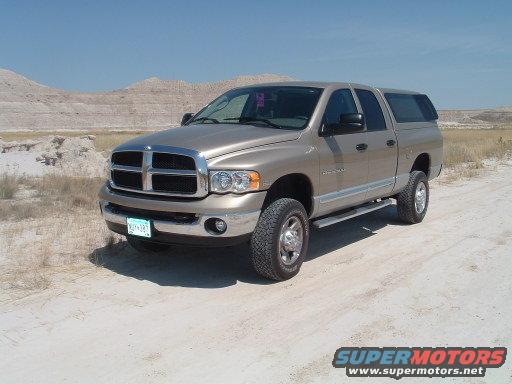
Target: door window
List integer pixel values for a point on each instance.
(372, 111)
(341, 102)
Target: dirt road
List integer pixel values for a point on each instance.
(202, 316)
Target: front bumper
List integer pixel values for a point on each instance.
(240, 212)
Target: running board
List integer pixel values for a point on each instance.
(320, 223)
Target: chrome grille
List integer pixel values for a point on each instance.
(159, 170)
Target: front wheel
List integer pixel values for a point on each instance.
(412, 202)
(145, 246)
(280, 241)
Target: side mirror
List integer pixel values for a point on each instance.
(351, 122)
(347, 123)
(186, 117)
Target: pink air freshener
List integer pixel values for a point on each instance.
(260, 100)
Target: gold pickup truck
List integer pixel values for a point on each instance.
(261, 164)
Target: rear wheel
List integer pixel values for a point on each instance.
(412, 202)
(280, 241)
(145, 246)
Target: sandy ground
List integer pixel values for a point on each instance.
(52, 154)
(23, 163)
(202, 316)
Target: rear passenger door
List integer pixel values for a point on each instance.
(382, 146)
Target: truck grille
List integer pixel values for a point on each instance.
(173, 161)
(129, 158)
(161, 171)
(167, 183)
(127, 179)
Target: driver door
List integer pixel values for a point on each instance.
(343, 158)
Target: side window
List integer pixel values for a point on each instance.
(341, 102)
(409, 108)
(372, 110)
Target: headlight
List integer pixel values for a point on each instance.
(234, 181)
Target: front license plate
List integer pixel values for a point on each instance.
(138, 227)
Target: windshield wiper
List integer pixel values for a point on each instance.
(248, 119)
(215, 121)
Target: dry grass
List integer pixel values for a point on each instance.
(105, 140)
(54, 226)
(68, 192)
(9, 185)
(27, 278)
(36, 252)
(473, 146)
(52, 195)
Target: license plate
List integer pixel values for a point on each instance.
(138, 227)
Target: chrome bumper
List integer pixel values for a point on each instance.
(238, 224)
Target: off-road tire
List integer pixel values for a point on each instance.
(265, 240)
(405, 199)
(145, 246)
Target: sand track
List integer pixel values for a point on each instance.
(202, 316)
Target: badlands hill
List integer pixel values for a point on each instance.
(149, 104)
(476, 118)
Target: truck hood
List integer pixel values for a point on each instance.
(216, 139)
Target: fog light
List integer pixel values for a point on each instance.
(220, 225)
(215, 226)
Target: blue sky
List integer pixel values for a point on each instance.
(460, 53)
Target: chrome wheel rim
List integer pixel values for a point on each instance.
(291, 238)
(420, 197)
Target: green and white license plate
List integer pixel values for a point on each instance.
(138, 227)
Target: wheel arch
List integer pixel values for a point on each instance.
(422, 163)
(296, 186)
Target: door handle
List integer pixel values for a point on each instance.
(361, 147)
(390, 143)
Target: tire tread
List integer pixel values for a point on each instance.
(265, 234)
(405, 199)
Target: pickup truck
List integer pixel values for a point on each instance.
(261, 164)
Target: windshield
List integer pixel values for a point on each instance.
(275, 106)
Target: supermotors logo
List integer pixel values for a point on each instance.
(418, 362)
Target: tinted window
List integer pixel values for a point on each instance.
(411, 108)
(428, 110)
(372, 111)
(341, 102)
